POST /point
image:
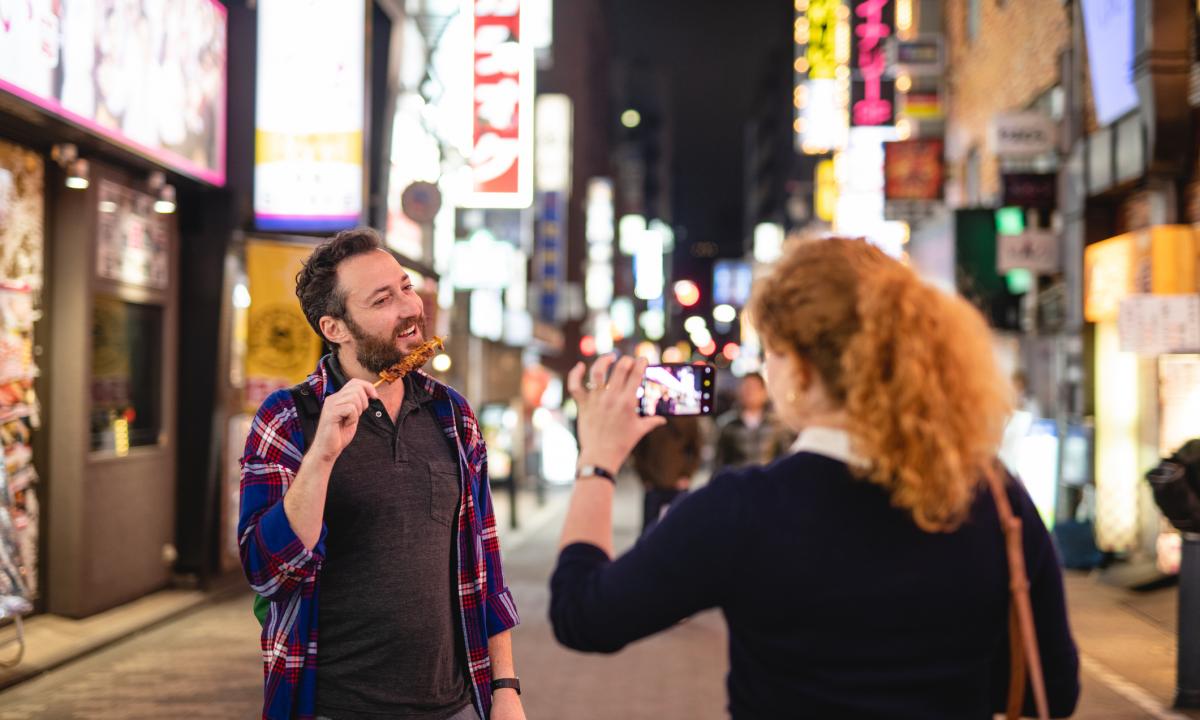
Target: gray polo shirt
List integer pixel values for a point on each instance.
(390, 636)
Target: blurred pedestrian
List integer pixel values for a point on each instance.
(665, 460)
(379, 519)
(865, 575)
(749, 434)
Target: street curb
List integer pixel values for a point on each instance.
(223, 589)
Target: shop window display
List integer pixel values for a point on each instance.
(21, 241)
(126, 375)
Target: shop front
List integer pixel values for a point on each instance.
(98, 142)
(1141, 298)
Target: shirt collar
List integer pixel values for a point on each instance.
(337, 377)
(415, 388)
(833, 443)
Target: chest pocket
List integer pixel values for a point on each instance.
(445, 492)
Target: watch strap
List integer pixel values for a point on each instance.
(502, 683)
(595, 471)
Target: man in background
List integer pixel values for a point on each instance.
(749, 434)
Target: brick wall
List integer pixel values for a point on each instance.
(1013, 59)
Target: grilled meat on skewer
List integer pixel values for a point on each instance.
(411, 361)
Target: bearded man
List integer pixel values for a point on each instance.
(384, 515)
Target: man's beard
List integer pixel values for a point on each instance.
(377, 353)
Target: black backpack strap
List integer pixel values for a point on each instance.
(308, 409)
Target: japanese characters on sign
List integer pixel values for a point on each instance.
(872, 90)
(501, 157)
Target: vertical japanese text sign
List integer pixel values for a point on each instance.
(502, 139)
(873, 90)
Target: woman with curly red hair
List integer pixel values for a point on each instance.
(864, 574)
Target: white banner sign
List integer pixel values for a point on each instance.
(1023, 134)
(1159, 324)
(309, 115)
(552, 129)
(1032, 250)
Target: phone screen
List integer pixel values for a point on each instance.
(677, 389)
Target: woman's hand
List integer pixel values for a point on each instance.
(609, 424)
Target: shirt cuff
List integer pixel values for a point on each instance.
(501, 613)
(281, 544)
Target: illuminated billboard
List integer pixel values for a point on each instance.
(309, 115)
(821, 91)
(149, 79)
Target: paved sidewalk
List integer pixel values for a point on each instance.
(205, 664)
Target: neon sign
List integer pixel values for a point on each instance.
(872, 92)
(821, 91)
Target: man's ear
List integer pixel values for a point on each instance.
(333, 329)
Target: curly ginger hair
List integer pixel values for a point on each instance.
(912, 366)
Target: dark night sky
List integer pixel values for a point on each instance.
(713, 54)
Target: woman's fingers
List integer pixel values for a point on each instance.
(646, 424)
(575, 383)
(633, 377)
(618, 382)
(599, 374)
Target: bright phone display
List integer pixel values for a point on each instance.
(677, 389)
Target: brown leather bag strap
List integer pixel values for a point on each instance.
(1023, 647)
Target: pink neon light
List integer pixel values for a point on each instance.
(872, 109)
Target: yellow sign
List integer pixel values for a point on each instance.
(1107, 277)
(827, 191)
(1163, 260)
(281, 348)
(821, 53)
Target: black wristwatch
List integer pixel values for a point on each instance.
(514, 683)
(595, 471)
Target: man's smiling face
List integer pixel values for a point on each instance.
(384, 315)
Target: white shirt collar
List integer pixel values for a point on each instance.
(831, 442)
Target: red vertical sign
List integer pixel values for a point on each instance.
(499, 158)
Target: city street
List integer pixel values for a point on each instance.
(205, 664)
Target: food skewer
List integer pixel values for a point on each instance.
(411, 361)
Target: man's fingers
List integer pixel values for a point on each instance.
(362, 387)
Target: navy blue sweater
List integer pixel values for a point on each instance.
(838, 606)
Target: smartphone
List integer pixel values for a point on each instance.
(677, 389)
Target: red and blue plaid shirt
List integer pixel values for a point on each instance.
(287, 574)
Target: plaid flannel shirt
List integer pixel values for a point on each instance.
(282, 570)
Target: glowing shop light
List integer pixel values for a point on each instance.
(687, 293)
